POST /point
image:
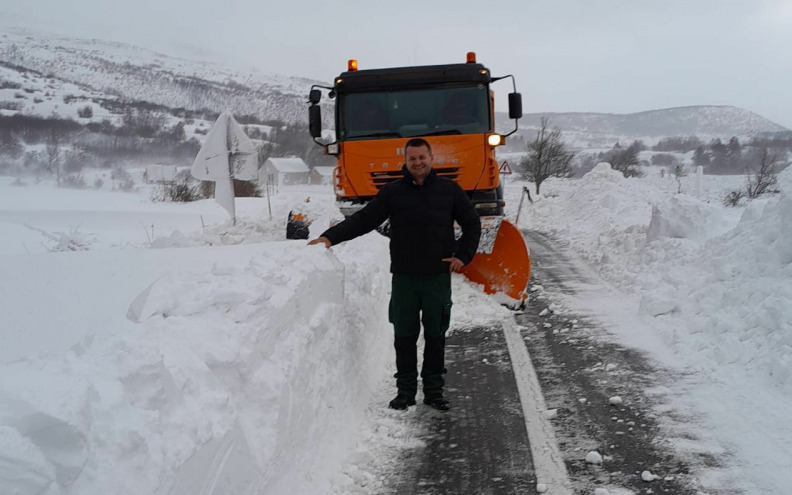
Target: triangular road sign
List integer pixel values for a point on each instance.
(505, 169)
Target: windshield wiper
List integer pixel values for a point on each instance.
(377, 135)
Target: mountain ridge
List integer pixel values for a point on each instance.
(594, 129)
(139, 74)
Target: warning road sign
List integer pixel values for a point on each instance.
(505, 169)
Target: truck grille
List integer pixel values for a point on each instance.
(379, 179)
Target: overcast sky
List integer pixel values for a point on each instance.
(616, 56)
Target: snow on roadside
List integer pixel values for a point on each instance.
(712, 285)
(243, 374)
(220, 358)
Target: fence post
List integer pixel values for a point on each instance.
(525, 192)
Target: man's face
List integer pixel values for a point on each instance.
(419, 161)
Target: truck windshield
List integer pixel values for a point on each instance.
(461, 110)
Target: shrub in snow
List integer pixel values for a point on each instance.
(85, 112)
(178, 191)
(663, 159)
(9, 85)
(765, 174)
(75, 181)
(245, 189)
(764, 179)
(74, 240)
(733, 198)
(122, 180)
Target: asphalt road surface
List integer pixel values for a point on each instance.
(482, 447)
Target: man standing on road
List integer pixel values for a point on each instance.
(422, 208)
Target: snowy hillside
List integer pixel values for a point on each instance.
(142, 75)
(120, 70)
(592, 130)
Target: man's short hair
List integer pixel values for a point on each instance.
(417, 143)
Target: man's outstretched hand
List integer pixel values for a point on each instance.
(318, 240)
(455, 264)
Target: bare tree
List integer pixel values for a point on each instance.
(10, 145)
(54, 140)
(765, 176)
(763, 180)
(625, 160)
(547, 156)
(733, 198)
(265, 151)
(679, 170)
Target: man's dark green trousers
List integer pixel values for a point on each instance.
(417, 299)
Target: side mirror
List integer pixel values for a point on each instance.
(315, 120)
(515, 105)
(314, 96)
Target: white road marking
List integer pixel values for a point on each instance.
(547, 459)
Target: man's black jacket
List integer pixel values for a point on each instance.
(421, 223)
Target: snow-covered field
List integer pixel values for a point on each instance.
(204, 358)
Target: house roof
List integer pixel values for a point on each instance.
(290, 164)
(324, 171)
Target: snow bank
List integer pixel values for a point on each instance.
(719, 278)
(240, 377)
(699, 286)
(743, 305)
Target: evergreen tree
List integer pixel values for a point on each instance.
(719, 160)
(734, 148)
(700, 157)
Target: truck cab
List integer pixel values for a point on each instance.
(377, 110)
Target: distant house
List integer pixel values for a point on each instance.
(284, 171)
(322, 175)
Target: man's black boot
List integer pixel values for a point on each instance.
(438, 403)
(401, 402)
(434, 367)
(406, 366)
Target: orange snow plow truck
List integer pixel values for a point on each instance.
(453, 108)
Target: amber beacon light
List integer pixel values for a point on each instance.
(352, 64)
(471, 57)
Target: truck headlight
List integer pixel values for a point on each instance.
(495, 140)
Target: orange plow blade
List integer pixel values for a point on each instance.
(507, 268)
